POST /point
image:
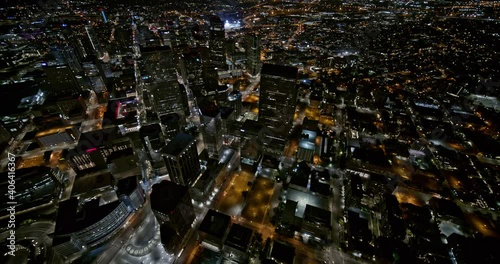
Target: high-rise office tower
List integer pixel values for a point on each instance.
(217, 43)
(234, 99)
(192, 71)
(170, 125)
(252, 49)
(211, 127)
(278, 98)
(160, 76)
(172, 207)
(181, 159)
(210, 81)
(152, 139)
(169, 97)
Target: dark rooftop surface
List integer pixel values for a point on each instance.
(89, 183)
(300, 180)
(118, 156)
(127, 185)
(250, 150)
(251, 127)
(150, 130)
(318, 186)
(167, 233)
(225, 112)
(317, 215)
(287, 72)
(178, 144)
(170, 119)
(97, 138)
(239, 237)
(288, 215)
(208, 108)
(166, 195)
(215, 223)
(309, 124)
(283, 253)
(446, 207)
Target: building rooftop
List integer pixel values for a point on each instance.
(251, 127)
(208, 108)
(225, 112)
(320, 186)
(97, 138)
(56, 130)
(127, 185)
(288, 215)
(150, 130)
(166, 195)
(167, 234)
(311, 125)
(317, 215)
(308, 140)
(92, 182)
(215, 223)
(287, 72)
(239, 237)
(172, 118)
(178, 144)
(282, 253)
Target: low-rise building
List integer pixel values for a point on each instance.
(238, 242)
(212, 230)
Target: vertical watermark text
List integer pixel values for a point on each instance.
(11, 194)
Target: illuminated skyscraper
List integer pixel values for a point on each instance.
(160, 77)
(192, 71)
(217, 43)
(234, 99)
(172, 207)
(181, 158)
(211, 127)
(252, 50)
(278, 98)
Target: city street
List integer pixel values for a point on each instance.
(116, 247)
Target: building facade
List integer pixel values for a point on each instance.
(252, 49)
(278, 97)
(217, 44)
(161, 81)
(181, 159)
(171, 205)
